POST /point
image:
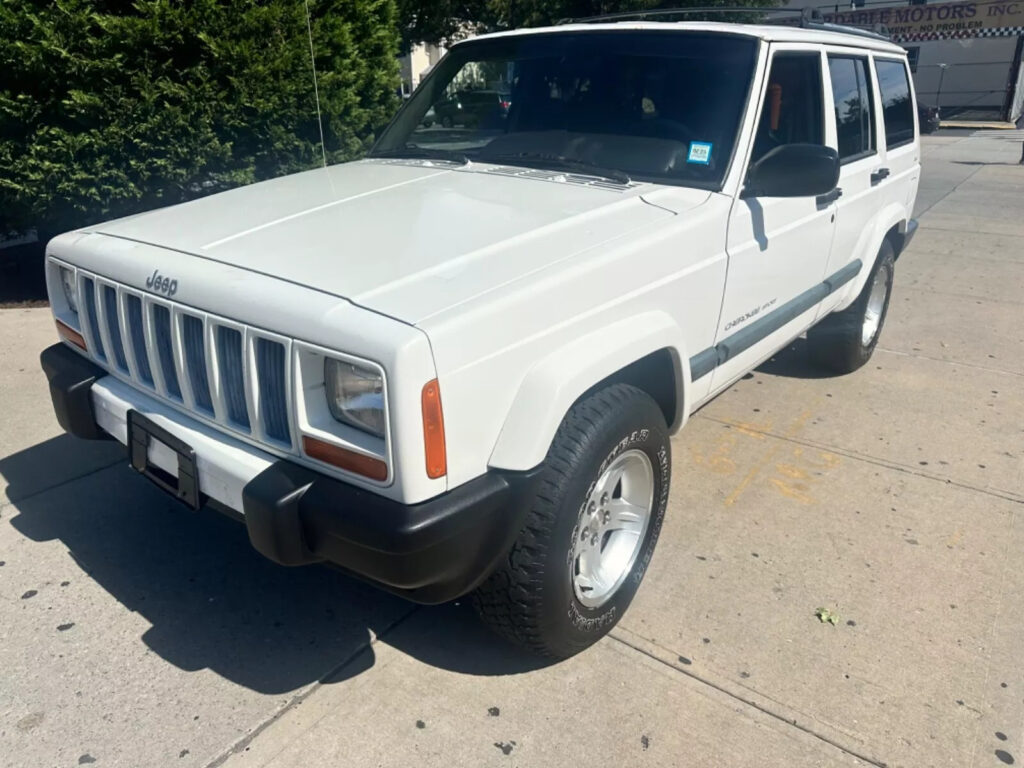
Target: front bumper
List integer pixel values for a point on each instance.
(429, 552)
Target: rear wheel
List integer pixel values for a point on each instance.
(591, 528)
(845, 340)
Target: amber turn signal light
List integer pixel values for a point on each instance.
(433, 431)
(68, 333)
(350, 461)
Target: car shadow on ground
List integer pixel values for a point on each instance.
(212, 601)
(794, 362)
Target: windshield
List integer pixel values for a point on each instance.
(646, 105)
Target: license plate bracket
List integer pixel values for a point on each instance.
(185, 487)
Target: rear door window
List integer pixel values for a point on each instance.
(854, 106)
(897, 106)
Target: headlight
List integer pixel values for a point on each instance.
(355, 396)
(67, 281)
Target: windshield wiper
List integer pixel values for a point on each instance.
(422, 152)
(556, 162)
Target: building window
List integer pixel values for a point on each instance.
(913, 54)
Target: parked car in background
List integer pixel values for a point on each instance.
(472, 109)
(928, 118)
(454, 366)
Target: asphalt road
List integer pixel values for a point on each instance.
(134, 633)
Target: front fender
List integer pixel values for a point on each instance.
(554, 383)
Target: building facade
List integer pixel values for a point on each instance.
(966, 55)
(417, 63)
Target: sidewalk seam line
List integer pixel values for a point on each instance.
(976, 366)
(302, 695)
(753, 704)
(965, 296)
(999, 494)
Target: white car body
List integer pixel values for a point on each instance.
(518, 292)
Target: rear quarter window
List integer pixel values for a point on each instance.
(897, 105)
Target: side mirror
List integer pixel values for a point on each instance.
(794, 170)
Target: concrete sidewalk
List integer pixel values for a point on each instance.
(137, 634)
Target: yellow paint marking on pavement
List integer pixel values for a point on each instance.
(769, 456)
(791, 471)
(718, 461)
(797, 491)
(756, 431)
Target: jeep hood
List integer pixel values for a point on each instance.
(406, 239)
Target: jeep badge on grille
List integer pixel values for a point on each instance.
(161, 284)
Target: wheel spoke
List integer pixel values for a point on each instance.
(626, 516)
(586, 561)
(610, 479)
(594, 583)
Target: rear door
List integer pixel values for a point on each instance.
(861, 176)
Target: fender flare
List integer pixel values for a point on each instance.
(891, 216)
(554, 383)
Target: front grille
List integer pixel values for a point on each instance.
(193, 359)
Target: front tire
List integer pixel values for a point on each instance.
(844, 341)
(591, 528)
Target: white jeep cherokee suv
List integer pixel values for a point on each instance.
(455, 365)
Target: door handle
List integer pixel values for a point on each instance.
(829, 197)
(877, 176)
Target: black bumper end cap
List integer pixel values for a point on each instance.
(71, 377)
(271, 501)
(430, 552)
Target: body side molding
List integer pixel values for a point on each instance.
(707, 360)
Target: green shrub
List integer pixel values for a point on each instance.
(110, 107)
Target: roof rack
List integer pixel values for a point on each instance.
(806, 18)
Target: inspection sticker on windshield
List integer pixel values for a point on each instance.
(700, 152)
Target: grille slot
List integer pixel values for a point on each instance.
(114, 326)
(137, 332)
(273, 395)
(232, 374)
(165, 349)
(195, 361)
(94, 322)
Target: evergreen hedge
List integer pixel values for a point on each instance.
(109, 107)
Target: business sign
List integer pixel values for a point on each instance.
(940, 21)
